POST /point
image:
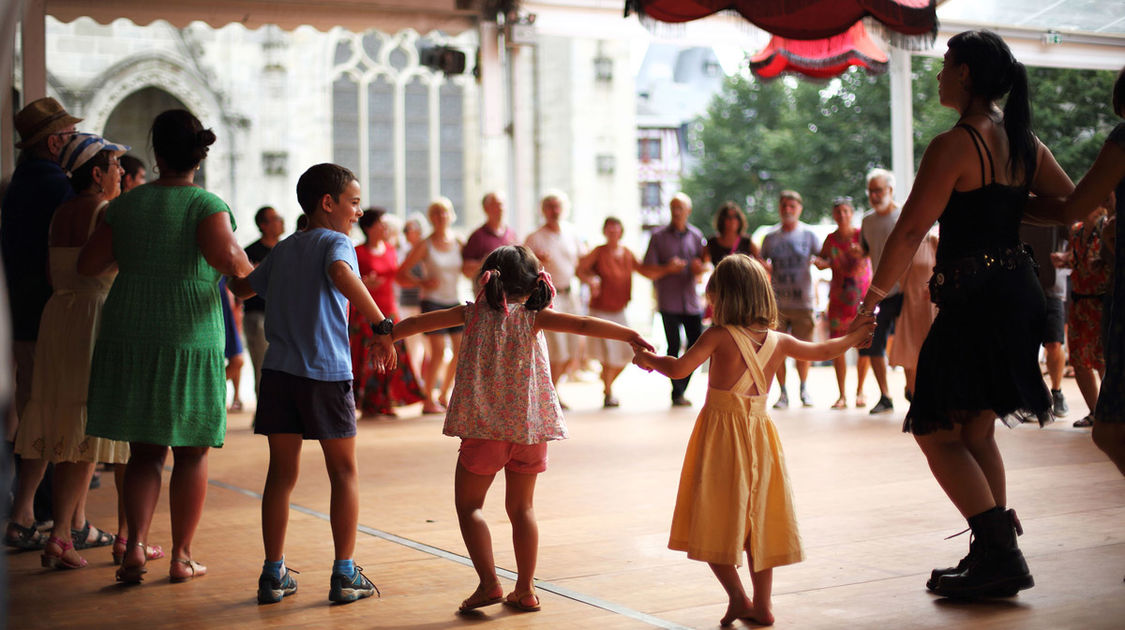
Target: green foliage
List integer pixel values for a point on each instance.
(820, 138)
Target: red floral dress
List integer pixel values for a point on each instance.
(1088, 285)
(851, 276)
(377, 393)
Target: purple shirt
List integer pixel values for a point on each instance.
(483, 241)
(675, 292)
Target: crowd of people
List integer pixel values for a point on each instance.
(122, 349)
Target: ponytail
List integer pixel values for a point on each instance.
(543, 294)
(1017, 126)
(492, 286)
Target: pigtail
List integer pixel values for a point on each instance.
(1017, 125)
(543, 295)
(492, 289)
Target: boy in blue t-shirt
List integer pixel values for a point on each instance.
(306, 388)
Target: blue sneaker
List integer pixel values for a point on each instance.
(349, 589)
(271, 589)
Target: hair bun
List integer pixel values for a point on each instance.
(204, 138)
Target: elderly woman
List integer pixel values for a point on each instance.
(376, 391)
(851, 273)
(53, 426)
(980, 358)
(157, 377)
(440, 256)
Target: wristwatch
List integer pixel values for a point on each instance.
(384, 327)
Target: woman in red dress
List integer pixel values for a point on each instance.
(376, 393)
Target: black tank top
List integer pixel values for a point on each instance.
(983, 219)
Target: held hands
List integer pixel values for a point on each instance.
(383, 348)
(643, 358)
(861, 331)
(639, 343)
(675, 265)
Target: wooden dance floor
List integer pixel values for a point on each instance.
(872, 519)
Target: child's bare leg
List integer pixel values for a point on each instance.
(469, 490)
(739, 605)
(343, 476)
(762, 582)
(519, 502)
(285, 460)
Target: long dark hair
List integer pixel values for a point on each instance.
(995, 72)
(514, 270)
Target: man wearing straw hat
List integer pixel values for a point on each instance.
(37, 187)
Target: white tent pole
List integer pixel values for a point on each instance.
(902, 123)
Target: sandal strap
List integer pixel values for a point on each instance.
(65, 545)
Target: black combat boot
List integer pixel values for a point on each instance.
(997, 569)
(973, 549)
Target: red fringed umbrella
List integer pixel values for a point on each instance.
(910, 23)
(820, 58)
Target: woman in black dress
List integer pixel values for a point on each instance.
(980, 359)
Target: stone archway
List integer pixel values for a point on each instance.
(131, 119)
(132, 90)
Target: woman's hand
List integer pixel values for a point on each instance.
(864, 323)
(640, 344)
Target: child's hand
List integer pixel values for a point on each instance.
(861, 331)
(383, 349)
(639, 343)
(643, 358)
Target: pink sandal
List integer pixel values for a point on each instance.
(59, 561)
(121, 545)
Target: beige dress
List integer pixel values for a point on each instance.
(53, 426)
(918, 311)
(733, 486)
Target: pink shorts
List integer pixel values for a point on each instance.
(487, 457)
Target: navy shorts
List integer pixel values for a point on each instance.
(429, 306)
(889, 310)
(318, 410)
(1056, 321)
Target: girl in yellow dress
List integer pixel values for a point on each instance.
(734, 491)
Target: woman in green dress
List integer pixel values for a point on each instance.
(157, 377)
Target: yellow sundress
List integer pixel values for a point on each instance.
(733, 486)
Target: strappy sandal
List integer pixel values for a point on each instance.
(24, 538)
(121, 545)
(1088, 421)
(841, 403)
(131, 575)
(197, 570)
(59, 560)
(82, 537)
(483, 598)
(528, 602)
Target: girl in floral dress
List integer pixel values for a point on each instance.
(504, 406)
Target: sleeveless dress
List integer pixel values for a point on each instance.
(53, 426)
(158, 367)
(982, 351)
(733, 485)
(503, 389)
(850, 279)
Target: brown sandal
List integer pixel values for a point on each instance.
(528, 602)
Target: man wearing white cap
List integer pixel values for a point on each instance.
(37, 187)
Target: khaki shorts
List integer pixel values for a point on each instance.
(797, 322)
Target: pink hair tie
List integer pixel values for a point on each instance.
(486, 277)
(546, 277)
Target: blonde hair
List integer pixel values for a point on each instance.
(740, 293)
(445, 204)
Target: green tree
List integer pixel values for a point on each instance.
(820, 138)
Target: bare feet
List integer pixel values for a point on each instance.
(483, 596)
(747, 611)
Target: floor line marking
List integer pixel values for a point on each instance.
(550, 587)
